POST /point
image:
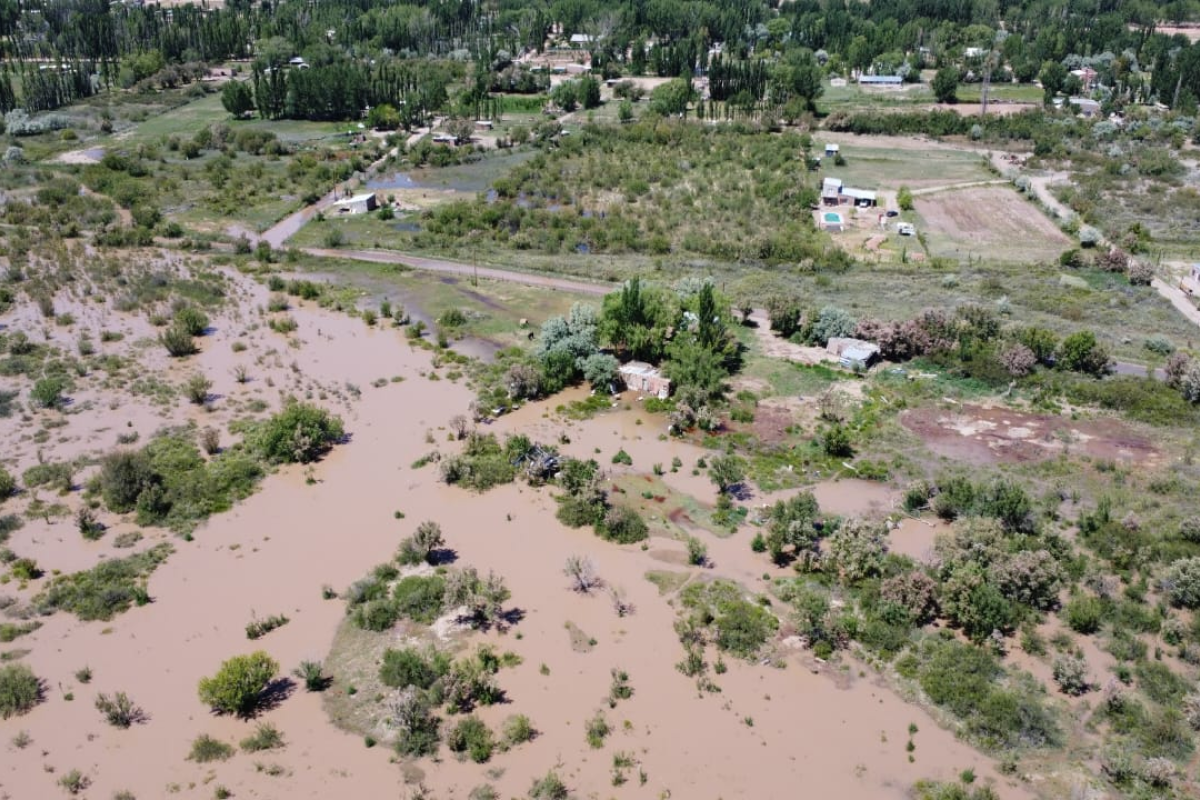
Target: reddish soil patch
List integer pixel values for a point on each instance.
(979, 435)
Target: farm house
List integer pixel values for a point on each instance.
(641, 377)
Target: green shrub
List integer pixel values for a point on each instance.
(420, 598)
(20, 690)
(313, 675)
(1181, 582)
(472, 737)
(8, 484)
(741, 626)
(48, 392)
(258, 628)
(197, 389)
(178, 342)
(206, 749)
(623, 525)
(299, 433)
(549, 787)
(192, 320)
(265, 737)
(517, 730)
(597, 729)
(1085, 614)
(412, 667)
(105, 590)
(238, 685)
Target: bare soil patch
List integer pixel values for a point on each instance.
(979, 435)
(993, 221)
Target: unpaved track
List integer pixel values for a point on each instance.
(469, 270)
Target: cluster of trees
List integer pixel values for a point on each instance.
(971, 339)
(685, 329)
(169, 482)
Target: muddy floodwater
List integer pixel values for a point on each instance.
(799, 729)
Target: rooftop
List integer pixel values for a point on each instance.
(640, 368)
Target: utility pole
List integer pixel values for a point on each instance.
(987, 82)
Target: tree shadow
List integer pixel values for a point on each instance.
(273, 696)
(741, 491)
(440, 556)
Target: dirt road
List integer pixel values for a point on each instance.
(469, 270)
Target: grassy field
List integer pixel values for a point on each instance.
(493, 309)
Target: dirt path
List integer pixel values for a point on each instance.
(459, 268)
(950, 187)
(1177, 298)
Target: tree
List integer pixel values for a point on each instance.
(727, 471)
(565, 96)
(698, 375)
(588, 92)
(671, 98)
(904, 198)
(857, 549)
(1053, 77)
(1070, 674)
(945, 85)
(582, 572)
(800, 77)
(420, 547)
(238, 98)
(238, 685)
(416, 726)
(600, 370)
(1080, 352)
(635, 320)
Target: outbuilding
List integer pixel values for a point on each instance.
(358, 204)
(832, 149)
(642, 377)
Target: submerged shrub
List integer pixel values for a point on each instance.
(20, 690)
(299, 433)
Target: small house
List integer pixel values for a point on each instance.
(863, 198)
(832, 149)
(358, 204)
(831, 191)
(580, 40)
(880, 80)
(644, 378)
(1086, 107)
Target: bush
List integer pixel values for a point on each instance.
(178, 342)
(416, 726)
(412, 667)
(420, 598)
(1084, 614)
(48, 392)
(549, 787)
(8, 484)
(1070, 674)
(517, 730)
(313, 675)
(238, 685)
(265, 737)
(192, 320)
(1080, 352)
(421, 546)
(623, 525)
(118, 710)
(299, 433)
(1181, 582)
(197, 389)
(206, 749)
(20, 690)
(105, 590)
(472, 737)
(597, 729)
